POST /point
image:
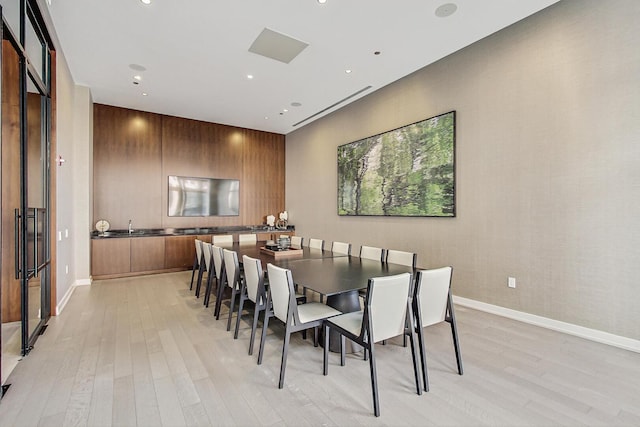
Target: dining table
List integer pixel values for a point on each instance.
(339, 277)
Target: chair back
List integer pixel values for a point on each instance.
(369, 252)
(280, 290)
(206, 253)
(247, 238)
(198, 244)
(386, 309)
(341, 248)
(403, 258)
(253, 278)
(296, 241)
(316, 243)
(218, 260)
(222, 239)
(231, 267)
(432, 291)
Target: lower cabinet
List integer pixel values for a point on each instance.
(110, 256)
(147, 254)
(179, 251)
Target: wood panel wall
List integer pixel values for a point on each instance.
(10, 291)
(135, 152)
(127, 166)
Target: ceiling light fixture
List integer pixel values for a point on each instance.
(322, 1)
(347, 71)
(138, 78)
(249, 76)
(144, 94)
(146, 1)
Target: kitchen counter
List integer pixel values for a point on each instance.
(193, 231)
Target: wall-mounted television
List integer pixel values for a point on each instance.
(191, 196)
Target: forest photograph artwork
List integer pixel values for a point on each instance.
(408, 171)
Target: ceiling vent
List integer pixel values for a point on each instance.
(277, 46)
(335, 104)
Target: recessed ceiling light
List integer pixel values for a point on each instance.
(347, 71)
(296, 104)
(138, 78)
(322, 1)
(446, 9)
(146, 1)
(249, 76)
(144, 94)
(285, 110)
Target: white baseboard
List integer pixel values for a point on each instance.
(556, 325)
(65, 299)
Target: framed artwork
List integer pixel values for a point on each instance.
(408, 171)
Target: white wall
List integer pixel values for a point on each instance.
(548, 176)
(74, 135)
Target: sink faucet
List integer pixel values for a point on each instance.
(130, 227)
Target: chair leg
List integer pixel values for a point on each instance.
(283, 363)
(454, 333)
(208, 289)
(219, 295)
(342, 350)
(325, 353)
(423, 358)
(264, 335)
(414, 357)
(254, 326)
(231, 305)
(374, 381)
(200, 274)
(315, 336)
(193, 270)
(239, 315)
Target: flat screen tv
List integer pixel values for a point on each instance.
(190, 196)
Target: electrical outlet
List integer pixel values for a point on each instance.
(512, 282)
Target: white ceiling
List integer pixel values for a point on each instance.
(196, 52)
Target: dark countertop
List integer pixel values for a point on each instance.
(192, 231)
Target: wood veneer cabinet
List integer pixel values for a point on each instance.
(110, 256)
(147, 254)
(120, 257)
(179, 251)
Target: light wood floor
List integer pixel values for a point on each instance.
(144, 351)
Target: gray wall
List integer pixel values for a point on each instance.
(548, 166)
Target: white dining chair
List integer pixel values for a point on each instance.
(215, 271)
(316, 244)
(218, 266)
(222, 239)
(245, 239)
(401, 257)
(206, 257)
(387, 314)
(341, 248)
(373, 253)
(232, 270)
(432, 304)
(297, 241)
(253, 289)
(196, 261)
(283, 306)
